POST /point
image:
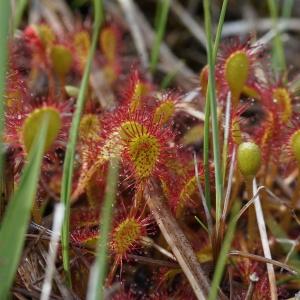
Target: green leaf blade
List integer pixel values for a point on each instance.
(15, 222)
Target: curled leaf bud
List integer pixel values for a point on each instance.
(249, 159)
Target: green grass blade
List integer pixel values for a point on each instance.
(167, 80)
(99, 270)
(70, 152)
(202, 224)
(287, 8)
(211, 54)
(161, 21)
(20, 8)
(206, 152)
(223, 253)
(219, 29)
(5, 11)
(16, 218)
(207, 108)
(278, 50)
(157, 17)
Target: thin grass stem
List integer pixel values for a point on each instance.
(20, 8)
(287, 7)
(213, 108)
(70, 152)
(5, 11)
(207, 108)
(278, 50)
(99, 269)
(223, 254)
(161, 21)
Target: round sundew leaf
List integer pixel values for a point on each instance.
(164, 112)
(61, 58)
(110, 72)
(126, 235)
(236, 72)
(236, 132)
(109, 43)
(32, 126)
(46, 35)
(282, 97)
(82, 44)
(295, 145)
(87, 237)
(144, 152)
(112, 147)
(138, 92)
(131, 129)
(251, 92)
(193, 135)
(205, 254)
(249, 159)
(90, 127)
(186, 194)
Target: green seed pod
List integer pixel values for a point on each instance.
(249, 159)
(295, 145)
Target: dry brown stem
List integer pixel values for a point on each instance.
(177, 241)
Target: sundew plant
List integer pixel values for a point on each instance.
(149, 150)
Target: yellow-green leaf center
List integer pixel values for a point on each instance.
(144, 152)
(130, 129)
(126, 235)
